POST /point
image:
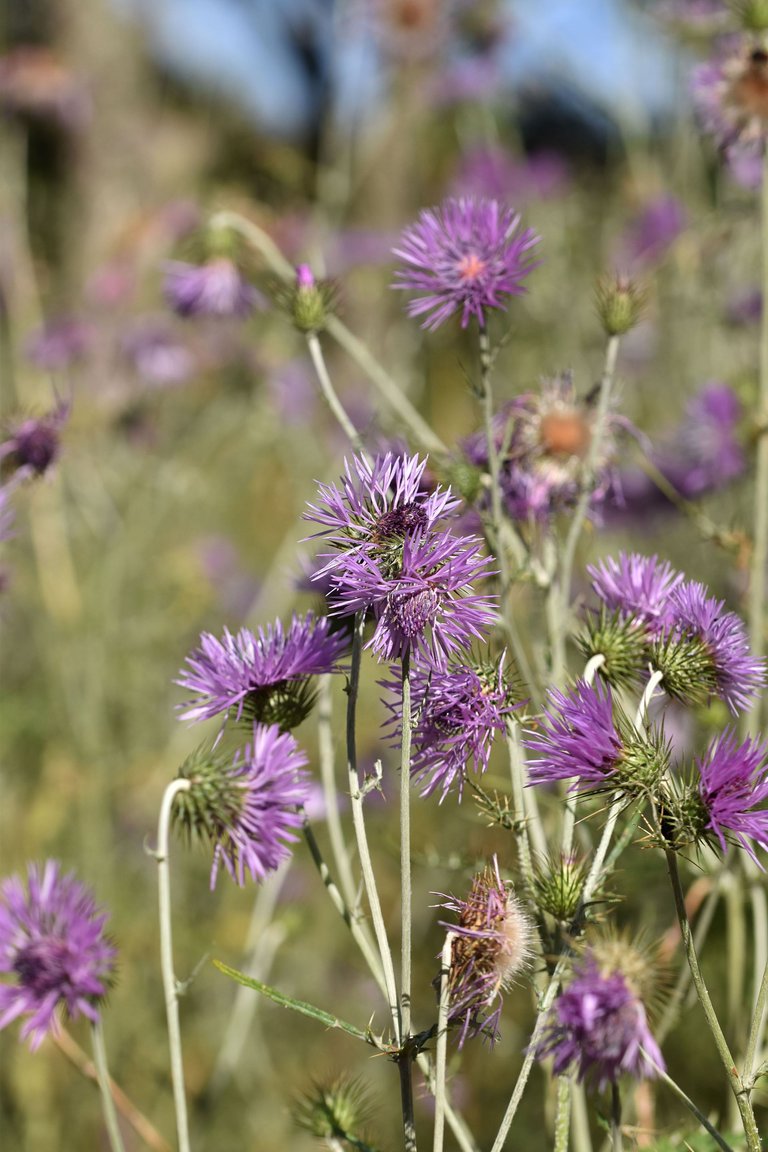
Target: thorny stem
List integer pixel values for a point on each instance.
(442, 1043)
(740, 1091)
(617, 1143)
(560, 591)
(125, 1106)
(563, 1114)
(387, 387)
(330, 394)
(358, 822)
(102, 1074)
(406, 1058)
(170, 987)
(757, 575)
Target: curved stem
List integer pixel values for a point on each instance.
(102, 1075)
(170, 987)
(330, 394)
(734, 1079)
(642, 709)
(592, 667)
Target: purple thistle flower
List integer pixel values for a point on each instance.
(492, 944)
(424, 602)
(157, 355)
(599, 1026)
(264, 676)
(465, 255)
(377, 504)
(733, 782)
(731, 98)
(736, 675)
(579, 738)
(52, 940)
(33, 445)
(653, 231)
(59, 344)
(248, 809)
(459, 711)
(215, 288)
(637, 586)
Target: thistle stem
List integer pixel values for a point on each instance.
(642, 709)
(102, 1074)
(405, 1061)
(681, 1095)
(759, 563)
(563, 1115)
(170, 987)
(326, 757)
(522, 837)
(330, 394)
(592, 667)
(358, 822)
(442, 1043)
(734, 1079)
(617, 1143)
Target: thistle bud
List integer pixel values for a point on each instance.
(620, 302)
(308, 301)
(753, 14)
(558, 885)
(333, 1112)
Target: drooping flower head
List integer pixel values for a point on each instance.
(705, 651)
(733, 786)
(584, 737)
(459, 711)
(636, 586)
(216, 287)
(424, 603)
(32, 446)
(464, 256)
(492, 945)
(246, 809)
(53, 943)
(598, 1027)
(263, 676)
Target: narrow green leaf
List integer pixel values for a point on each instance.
(297, 1005)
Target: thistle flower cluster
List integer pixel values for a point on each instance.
(491, 945)
(652, 614)
(457, 713)
(543, 440)
(54, 947)
(392, 558)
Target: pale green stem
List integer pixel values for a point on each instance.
(341, 859)
(563, 1115)
(358, 822)
(520, 828)
(760, 919)
(524, 799)
(592, 667)
(170, 986)
(685, 1098)
(756, 1029)
(441, 1043)
(759, 562)
(560, 590)
(642, 709)
(405, 1060)
(456, 1122)
(330, 394)
(617, 1143)
(734, 1079)
(102, 1075)
(388, 388)
(581, 1135)
(530, 1055)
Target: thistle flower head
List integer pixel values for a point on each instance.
(335, 1111)
(215, 287)
(491, 945)
(459, 710)
(620, 641)
(705, 651)
(620, 302)
(587, 738)
(558, 886)
(598, 1027)
(733, 786)
(731, 98)
(637, 586)
(308, 301)
(263, 676)
(464, 256)
(53, 943)
(246, 809)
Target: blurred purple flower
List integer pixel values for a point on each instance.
(649, 236)
(637, 586)
(59, 343)
(215, 288)
(33, 445)
(733, 787)
(599, 1027)
(256, 674)
(465, 255)
(736, 673)
(492, 172)
(52, 941)
(745, 307)
(159, 358)
(220, 561)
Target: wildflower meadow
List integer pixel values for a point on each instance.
(383, 577)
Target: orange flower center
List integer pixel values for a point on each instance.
(565, 434)
(471, 266)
